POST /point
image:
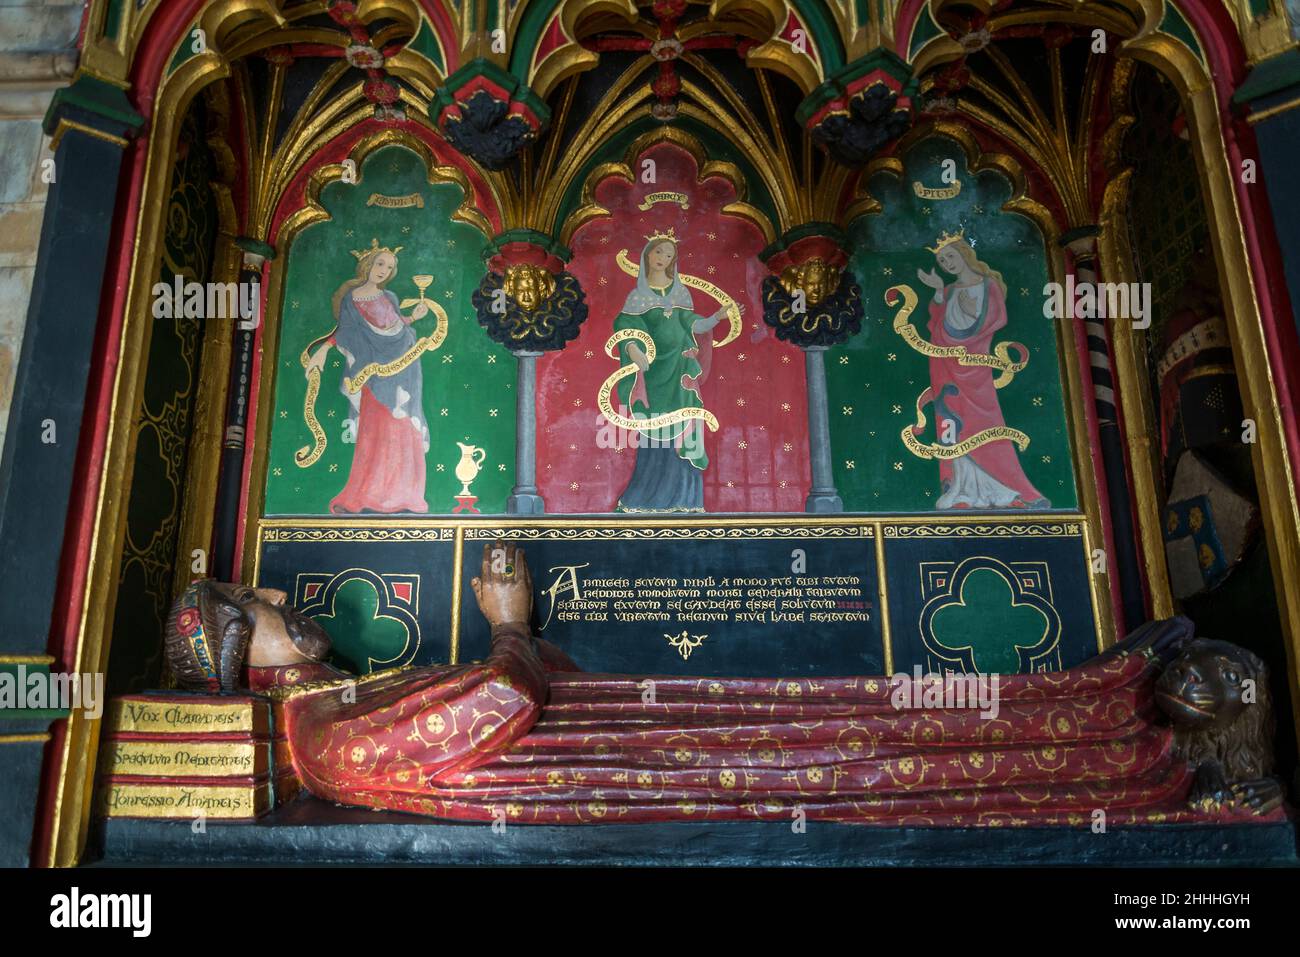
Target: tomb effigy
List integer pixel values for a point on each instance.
(662, 413)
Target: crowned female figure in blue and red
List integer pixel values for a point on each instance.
(387, 411)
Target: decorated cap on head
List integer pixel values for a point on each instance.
(207, 637)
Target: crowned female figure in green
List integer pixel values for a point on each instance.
(670, 458)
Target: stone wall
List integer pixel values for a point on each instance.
(37, 56)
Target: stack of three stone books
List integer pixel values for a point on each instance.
(181, 756)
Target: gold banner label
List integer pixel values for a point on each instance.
(623, 371)
(681, 199)
(936, 192)
(1000, 360)
(396, 202)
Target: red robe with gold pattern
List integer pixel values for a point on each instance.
(526, 737)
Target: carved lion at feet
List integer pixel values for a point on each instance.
(1216, 695)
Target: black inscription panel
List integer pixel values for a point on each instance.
(699, 599)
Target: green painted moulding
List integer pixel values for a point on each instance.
(792, 236)
(532, 236)
(837, 85)
(1269, 77)
(479, 66)
(93, 98)
(425, 42)
(256, 247)
(1176, 25)
(926, 29)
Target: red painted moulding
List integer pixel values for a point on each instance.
(154, 53)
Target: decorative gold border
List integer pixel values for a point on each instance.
(1237, 282)
(866, 528)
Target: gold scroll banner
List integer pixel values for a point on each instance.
(936, 192)
(307, 456)
(704, 286)
(681, 199)
(396, 202)
(623, 371)
(924, 450)
(1000, 360)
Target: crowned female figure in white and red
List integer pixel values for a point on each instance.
(968, 312)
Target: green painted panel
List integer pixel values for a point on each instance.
(467, 384)
(425, 42)
(1176, 24)
(875, 380)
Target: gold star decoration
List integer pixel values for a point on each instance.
(848, 410)
(850, 464)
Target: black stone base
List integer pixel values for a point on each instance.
(309, 831)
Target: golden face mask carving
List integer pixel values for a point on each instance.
(817, 278)
(528, 285)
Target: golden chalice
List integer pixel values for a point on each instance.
(421, 283)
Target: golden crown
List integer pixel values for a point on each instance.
(670, 234)
(374, 249)
(947, 239)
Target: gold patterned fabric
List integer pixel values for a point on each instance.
(505, 740)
